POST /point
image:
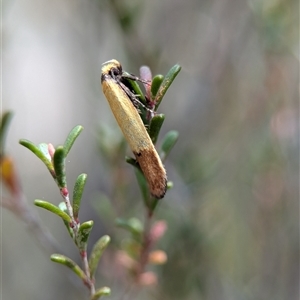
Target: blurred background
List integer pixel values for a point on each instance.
(233, 214)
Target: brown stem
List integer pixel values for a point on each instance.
(147, 243)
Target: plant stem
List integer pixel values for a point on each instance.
(146, 245)
(75, 224)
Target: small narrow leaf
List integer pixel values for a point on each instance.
(72, 136)
(134, 86)
(132, 162)
(155, 127)
(166, 83)
(68, 262)
(152, 205)
(83, 234)
(77, 193)
(143, 185)
(39, 153)
(44, 148)
(53, 208)
(60, 166)
(104, 291)
(133, 225)
(168, 143)
(97, 252)
(5, 120)
(156, 83)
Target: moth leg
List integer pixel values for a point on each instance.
(134, 98)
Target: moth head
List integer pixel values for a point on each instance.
(112, 68)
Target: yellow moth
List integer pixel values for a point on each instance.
(121, 99)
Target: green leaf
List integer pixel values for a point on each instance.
(142, 182)
(168, 143)
(39, 151)
(152, 205)
(156, 83)
(134, 86)
(72, 136)
(104, 291)
(166, 84)
(132, 162)
(60, 166)
(5, 120)
(97, 252)
(77, 193)
(44, 148)
(83, 234)
(53, 208)
(68, 262)
(136, 225)
(155, 127)
(133, 225)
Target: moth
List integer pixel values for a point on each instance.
(123, 102)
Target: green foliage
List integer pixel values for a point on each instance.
(77, 193)
(133, 225)
(41, 151)
(97, 252)
(233, 218)
(156, 84)
(155, 126)
(71, 138)
(83, 235)
(105, 291)
(54, 209)
(68, 262)
(166, 83)
(54, 159)
(60, 166)
(168, 143)
(68, 211)
(5, 120)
